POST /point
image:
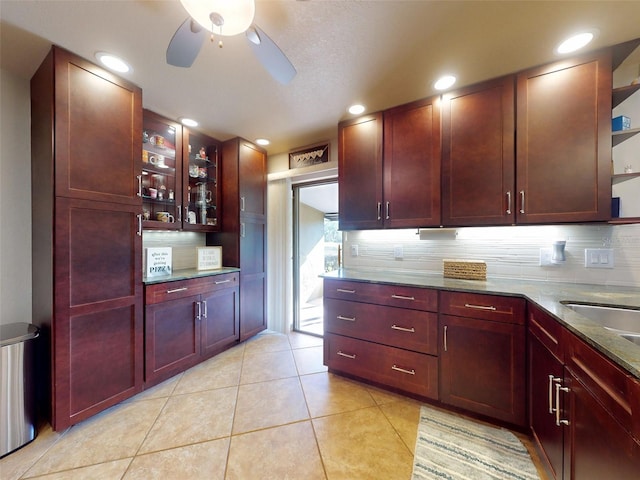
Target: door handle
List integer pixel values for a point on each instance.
(509, 202)
(559, 388)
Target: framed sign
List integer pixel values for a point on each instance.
(158, 261)
(209, 258)
(308, 156)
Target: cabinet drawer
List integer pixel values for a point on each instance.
(489, 307)
(396, 327)
(411, 372)
(161, 292)
(609, 384)
(391, 295)
(548, 330)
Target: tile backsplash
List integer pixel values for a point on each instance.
(509, 252)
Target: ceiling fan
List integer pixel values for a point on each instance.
(226, 18)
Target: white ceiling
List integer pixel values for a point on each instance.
(380, 53)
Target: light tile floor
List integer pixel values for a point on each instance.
(266, 409)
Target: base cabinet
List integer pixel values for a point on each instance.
(582, 411)
(384, 334)
(482, 357)
(187, 322)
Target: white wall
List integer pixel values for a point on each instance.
(15, 199)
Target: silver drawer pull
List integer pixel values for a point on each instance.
(348, 319)
(402, 370)
(220, 282)
(177, 290)
(480, 307)
(342, 290)
(342, 354)
(404, 329)
(402, 297)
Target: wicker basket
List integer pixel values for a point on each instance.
(465, 269)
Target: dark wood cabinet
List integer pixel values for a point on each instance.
(360, 172)
(563, 145)
(87, 245)
(411, 165)
(384, 334)
(180, 177)
(244, 237)
(188, 321)
(478, 157)
(582, 409)
(389, 168)
(482, 357)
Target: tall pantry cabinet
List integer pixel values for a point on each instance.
(86, 138)
(244, 228)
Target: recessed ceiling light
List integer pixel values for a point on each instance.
(356, 109)
(576, 42)
(113, 63)
(189, 122)
(262, 141)
(444, 82)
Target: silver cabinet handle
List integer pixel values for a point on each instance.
(342, 290)
(402, 370)
(186, 212)
(558, 389)
(402, 297)
(204, 314)
(139, 232)
(177, 290)
(445, 338)
(179, 209)
(386, 216)
(552, 380)
(342, 354)
(242, 204)
(242, 231)
(480, 307)
(348, 319)
(403, 329)
(199, 314)
(509, 202)
(379, 211)
(139, 177)
(220, 282)
(521, 201)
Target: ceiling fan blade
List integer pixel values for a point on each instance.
(270, 55)
(185, 44)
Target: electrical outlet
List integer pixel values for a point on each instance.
(398, 252)
(354, 250)
(545, 257)
(598, 258)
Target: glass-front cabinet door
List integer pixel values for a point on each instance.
(161, 179)
(201, 174)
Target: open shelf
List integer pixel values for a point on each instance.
(623, 177)
(622, 135)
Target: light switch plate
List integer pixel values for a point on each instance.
(354, 250)
(545, 257)
(398, 252)
(598, 258)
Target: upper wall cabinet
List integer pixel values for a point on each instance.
(478, 168)
(360, 172)
(411, 165)
(563, 141)
(389, 168)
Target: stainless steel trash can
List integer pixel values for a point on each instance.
(17, 406)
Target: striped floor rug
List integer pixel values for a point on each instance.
(449, 447)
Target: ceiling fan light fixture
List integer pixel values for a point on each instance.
(237, 15)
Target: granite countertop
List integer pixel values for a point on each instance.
(187, 274)
(547, 295)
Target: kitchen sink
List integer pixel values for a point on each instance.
(623, 321)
